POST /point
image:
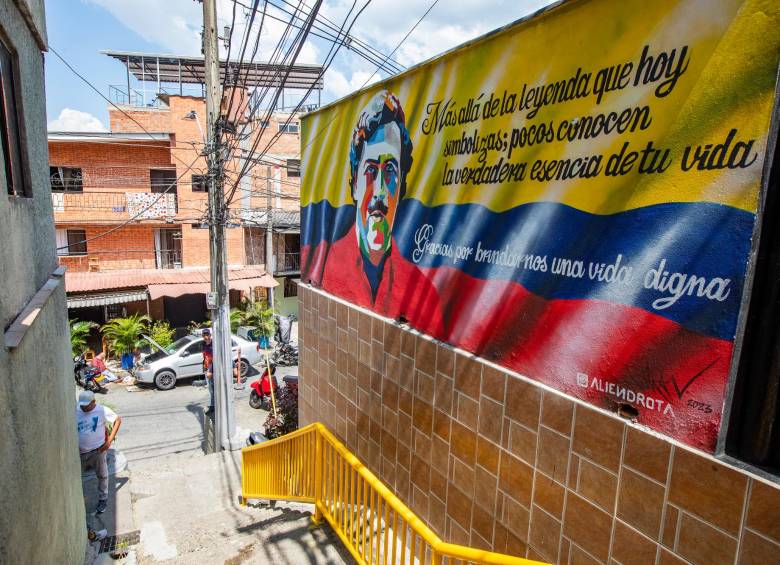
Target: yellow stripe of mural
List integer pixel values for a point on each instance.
(710, 67)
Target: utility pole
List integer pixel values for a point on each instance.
(269, 234)
(224, 417)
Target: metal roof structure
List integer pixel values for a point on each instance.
(158, 67)
(108, 136)
(284, 221)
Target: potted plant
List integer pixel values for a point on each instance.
(124, 336)
(260, 315)
(79, 332)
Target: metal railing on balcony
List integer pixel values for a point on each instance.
(112, 206)
(288, 263)
(120, 259)
(149, 97)
(311, 465)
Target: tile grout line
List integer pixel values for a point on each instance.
(617, 492)
(762, 536)
(533, 480)
(599, 466)
(566, 477)
(667, 488)
(648, 477)
(743, 519)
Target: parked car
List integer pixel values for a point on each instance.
(184, 359)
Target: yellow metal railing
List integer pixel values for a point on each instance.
(311, 465)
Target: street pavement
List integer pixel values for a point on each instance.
(184, 501)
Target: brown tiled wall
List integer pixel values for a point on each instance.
(494, 461)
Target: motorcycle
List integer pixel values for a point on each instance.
(86, 376)
(285, 355)
(260, 395)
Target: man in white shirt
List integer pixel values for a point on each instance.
(97, 426)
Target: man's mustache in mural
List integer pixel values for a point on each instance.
(378, 209)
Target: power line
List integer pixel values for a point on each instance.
(405, 37)
(351, 42)
(328, 61)
(297, 45)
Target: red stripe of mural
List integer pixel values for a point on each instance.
(674, 377)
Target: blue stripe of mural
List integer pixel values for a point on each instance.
(321, 221)
(703, 240)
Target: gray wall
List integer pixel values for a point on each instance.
(41, 507)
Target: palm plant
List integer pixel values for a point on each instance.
(237, 316)
(260, 315)
(79, 332)
(124, 334)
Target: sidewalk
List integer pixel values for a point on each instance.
(187, 511)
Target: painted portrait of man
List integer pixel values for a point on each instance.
(364, 263)
(380, 157)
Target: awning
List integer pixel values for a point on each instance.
(87, 300)
(179, 289)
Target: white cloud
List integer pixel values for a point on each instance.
(338, 85)
(75, 120)
(176, 26)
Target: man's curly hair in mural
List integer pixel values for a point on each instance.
(380, 157)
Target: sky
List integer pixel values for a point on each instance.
(79, 29)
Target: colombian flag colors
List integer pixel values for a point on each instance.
(579, 201)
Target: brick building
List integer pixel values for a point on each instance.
(149, 170)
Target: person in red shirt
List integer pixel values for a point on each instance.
(208, 367)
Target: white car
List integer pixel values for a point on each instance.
(184, 359)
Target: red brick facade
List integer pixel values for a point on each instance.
(111, 168)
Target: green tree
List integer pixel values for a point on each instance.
(79, 332)
(162, 332)
(260, 315)
(124, 334)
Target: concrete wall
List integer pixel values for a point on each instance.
(284, 305)
(41, 508)
(490, 459)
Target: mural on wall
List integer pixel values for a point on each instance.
(572, 197)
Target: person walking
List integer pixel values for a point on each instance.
(208, 367)
(97, 427)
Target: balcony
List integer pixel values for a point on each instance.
(107, 207)
(288, 263)
(122, 259)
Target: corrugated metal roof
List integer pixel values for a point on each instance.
(165, 67)
(103, 299)
(282, 219)
(107, 280)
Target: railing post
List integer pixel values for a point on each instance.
(318, 455)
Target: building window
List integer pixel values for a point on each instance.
(290, 288)
(71, 242)
(200, 183)
(293, 167)
(11, 142)
(66, 179)
(264, 124)
(163, 180)
(292, 127)
(167, 248)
